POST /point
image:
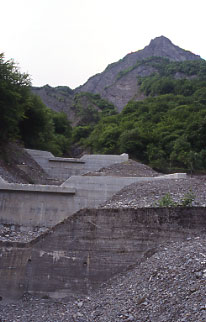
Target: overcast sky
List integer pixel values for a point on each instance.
(64, 42)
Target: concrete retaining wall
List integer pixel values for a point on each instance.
(63, 168)
(13, 265)
(90, 247)
(93, 245)
(36, 205)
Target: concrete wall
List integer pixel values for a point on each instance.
(38, 205)
(93, 245)
(34, 205)
(2, 180)
(95, 162)
(90, 247)
(63, 168)
(13, 265)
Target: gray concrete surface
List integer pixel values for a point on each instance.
(38, 205)
(90, 247)
(30, 205)
(2, 180)
(63, 168)
(13, 265)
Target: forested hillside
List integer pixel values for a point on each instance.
(25, 118)
(80, 108)
(167, 130)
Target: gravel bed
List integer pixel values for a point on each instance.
(168, 287)
(20, 234)
(150, 193)
(129, 168)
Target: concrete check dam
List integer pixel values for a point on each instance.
(67, 245)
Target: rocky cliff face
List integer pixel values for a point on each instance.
(119, 90)
(163, 47)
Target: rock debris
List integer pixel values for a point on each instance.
(150, 193)
(129, 168)
(13, 233)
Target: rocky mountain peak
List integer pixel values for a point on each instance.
(159, 45)
(158, 41)
(163, 47)
(118, 82)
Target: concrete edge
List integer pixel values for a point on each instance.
(106, 179)
(57, 159)
(36, 188)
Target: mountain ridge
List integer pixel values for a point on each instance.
(119, 90)
(157, 47)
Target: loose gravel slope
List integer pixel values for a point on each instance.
(150, 193)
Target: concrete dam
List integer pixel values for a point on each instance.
(71, 246)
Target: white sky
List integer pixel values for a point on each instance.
(64, 42)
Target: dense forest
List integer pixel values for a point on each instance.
(25, 118)
(166, 130)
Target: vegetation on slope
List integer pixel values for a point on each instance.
(24, 117)
(168, 129)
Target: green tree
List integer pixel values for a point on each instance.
(181, 154)
(132, 143)
(61, 124)
(37, 127)
(14, 94)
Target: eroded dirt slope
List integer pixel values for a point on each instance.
(16, 165)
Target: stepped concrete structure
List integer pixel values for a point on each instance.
(79, 246)
(63, 168)
(45, 206)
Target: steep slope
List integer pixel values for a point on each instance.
(17, 166)
(80, 108)
(118, 82)
(59, 99)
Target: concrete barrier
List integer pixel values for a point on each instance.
(38, 205)
(2, 180)
(34, 205)
(13, 265)
(90, 247)
(63, 168)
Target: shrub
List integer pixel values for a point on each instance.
(188, 199)
(166, 201)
